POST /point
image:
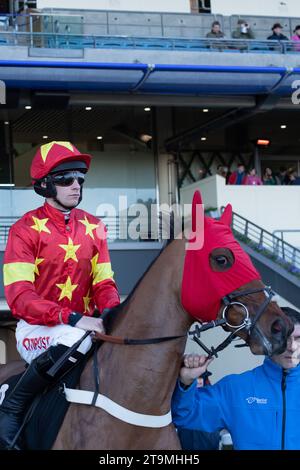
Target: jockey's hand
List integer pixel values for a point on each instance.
(91, 324)
(194, 365)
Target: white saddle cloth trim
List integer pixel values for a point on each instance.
(85, 398)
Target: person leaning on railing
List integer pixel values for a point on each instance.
(277, 33)
(215, 31)
(268, 178)
(243, 30)
(296, 38)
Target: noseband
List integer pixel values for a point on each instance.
(247, 323)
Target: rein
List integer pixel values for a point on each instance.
(97, 399)
(133, 342)
(228, 300)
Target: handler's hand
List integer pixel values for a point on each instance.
(194, 366)
(91, 324)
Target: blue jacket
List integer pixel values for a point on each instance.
(250, 405)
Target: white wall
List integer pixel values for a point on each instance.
(270, 207)
(256, 7)
(114, 172)
(173, 6)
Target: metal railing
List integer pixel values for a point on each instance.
(74, 31)
(292, 232)
(122, 228)
(164, 23)
(268, 244)
(80, 41)
(5, 224)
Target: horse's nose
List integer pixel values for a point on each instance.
(277, 326)
(279, 329)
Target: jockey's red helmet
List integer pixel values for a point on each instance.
(57, 156)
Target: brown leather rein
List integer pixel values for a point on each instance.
(130, 341)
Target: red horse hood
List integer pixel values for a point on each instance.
(202, 288)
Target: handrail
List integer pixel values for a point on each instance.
(58, 40)
(266, 243)
(117, 228)
(282, 231)
(106, 20)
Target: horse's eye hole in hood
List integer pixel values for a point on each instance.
(221, 259)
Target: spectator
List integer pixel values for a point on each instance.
(222, 171)
(215, 31)
(293, 178)
(239, 176)
(296, 38)
(252, 178)
(277, 33)
(268, 178)
(193, 439)
(282, 175)
(260, 407)
(243, 31)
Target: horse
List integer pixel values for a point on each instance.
(166, 302)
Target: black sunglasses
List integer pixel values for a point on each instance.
(68, 178)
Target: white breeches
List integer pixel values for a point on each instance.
(33, 340)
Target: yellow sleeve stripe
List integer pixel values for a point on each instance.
(15, 272)
(101, 272)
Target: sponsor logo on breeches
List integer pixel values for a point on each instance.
(32, 344)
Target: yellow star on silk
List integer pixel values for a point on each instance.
(37, 261)
(45, 149)
(94, 262)
(40, 225)
(89, 227)
(70, 249)
(66, 289)
(86, 301)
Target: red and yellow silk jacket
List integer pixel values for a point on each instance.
(52, 269)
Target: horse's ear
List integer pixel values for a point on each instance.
(197, 200)
(226, 217)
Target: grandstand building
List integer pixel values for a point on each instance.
(155, 100)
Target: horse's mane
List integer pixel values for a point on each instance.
(114, 312)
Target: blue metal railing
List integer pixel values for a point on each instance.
(72, 30)
(81, 41)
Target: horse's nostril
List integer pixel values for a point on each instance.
(277, 327)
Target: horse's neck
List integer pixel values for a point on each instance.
(143, 377)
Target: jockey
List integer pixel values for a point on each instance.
(56, 271)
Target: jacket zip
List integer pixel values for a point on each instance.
(283, 389)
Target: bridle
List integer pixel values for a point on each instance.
(228, 301)
(246, 324)
(96, 399)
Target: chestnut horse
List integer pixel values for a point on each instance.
(141, 378)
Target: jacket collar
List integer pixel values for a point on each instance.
(274, 371)
(57, 216)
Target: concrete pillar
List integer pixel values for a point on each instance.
(166, 166)
(6, 168)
